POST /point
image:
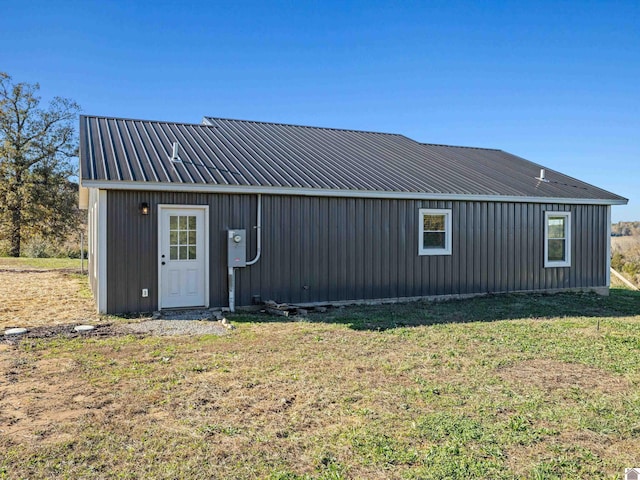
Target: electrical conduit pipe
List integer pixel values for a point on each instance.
(231, 272)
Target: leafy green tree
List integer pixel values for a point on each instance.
(37, 148)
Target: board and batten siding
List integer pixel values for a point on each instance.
(332, 249)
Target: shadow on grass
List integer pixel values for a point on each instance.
(491, 308)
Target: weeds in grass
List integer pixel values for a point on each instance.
(496, 388)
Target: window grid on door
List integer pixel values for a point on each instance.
(182, 237)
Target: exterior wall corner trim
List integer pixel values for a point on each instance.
(102, 252)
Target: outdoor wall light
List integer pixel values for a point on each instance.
(144, 208)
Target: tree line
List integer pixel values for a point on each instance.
(38, 162)
(625, 229)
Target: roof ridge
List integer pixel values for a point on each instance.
(460, 146)
(301, 126)
(106, 117)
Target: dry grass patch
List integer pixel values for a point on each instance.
(35, 406)
(32, 298)
(624, 244)
(617, 283)
(549, 375)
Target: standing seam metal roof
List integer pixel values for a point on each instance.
(248, 153)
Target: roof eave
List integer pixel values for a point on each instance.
(325, 192)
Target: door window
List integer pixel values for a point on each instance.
(182, 237)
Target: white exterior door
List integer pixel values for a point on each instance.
(183, 251)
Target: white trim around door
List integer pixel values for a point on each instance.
(183, 256)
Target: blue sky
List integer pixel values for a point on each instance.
(555, 82)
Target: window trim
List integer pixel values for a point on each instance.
(567, 230)
(447, 232)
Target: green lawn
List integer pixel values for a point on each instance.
(504, 387)
(42, 263)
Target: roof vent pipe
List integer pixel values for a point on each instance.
(542, 176)
(174, 156)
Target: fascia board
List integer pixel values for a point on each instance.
(322, 192)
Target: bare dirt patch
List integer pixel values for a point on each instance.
(38, 397)
(552, 375)
(32, 298)
(66, 331)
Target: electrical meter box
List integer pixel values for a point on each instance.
(237, 248)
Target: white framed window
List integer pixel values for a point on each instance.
(434, 231)
(557, 239)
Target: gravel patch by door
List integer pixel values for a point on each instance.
(181, 322)
(176, 327)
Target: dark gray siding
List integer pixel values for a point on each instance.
(329, 249)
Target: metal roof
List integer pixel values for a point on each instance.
(257, 156)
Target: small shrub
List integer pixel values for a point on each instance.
(631, 268)
(617, 261)
(37, 247)
(70, 252)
